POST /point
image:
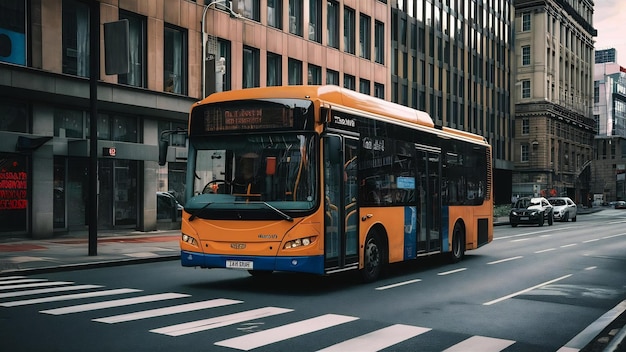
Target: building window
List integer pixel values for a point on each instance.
(250, 67)
(364, 37)
(525, 126)
(526, 55)
(295, 17)
(314, 75)
(295, 72)
(175, 60)
(14, 116)
(349, 82)
(332, 24)
(125, 129)
(275, 13)
(379, 42)
(69, 123)
(136, 75)
(348, 30)
(379, 90)
(274, 69)
(526, 89)
(75, 38)
(315, 21)
(525, 153)
(525, 22)
(224, 52)
(364, 86)
(247, 8)
(332, 77)
(13, 30)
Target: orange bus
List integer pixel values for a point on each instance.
(321, 179)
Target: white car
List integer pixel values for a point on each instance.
(564, 208)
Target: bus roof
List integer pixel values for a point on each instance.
(339, 97)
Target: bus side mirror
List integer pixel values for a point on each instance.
(163, 145)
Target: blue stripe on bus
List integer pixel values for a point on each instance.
(309, 264)
(410, 233)
(445, 229)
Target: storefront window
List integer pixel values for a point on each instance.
(14, 190)
(13, 117)
(58, 200)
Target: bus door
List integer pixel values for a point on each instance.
(340, 204)
(428, 199)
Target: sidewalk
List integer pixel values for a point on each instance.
(29, 256)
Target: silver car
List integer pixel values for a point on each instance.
(564, 208)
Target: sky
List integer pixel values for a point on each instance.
(609, 18)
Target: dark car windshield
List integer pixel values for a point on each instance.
(557, 201)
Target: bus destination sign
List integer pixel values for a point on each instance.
(254, 118)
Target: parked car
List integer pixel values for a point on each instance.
(528, 210)
(168, 207)
(563, 208)
(620, 204)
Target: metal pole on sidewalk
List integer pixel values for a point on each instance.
(94, 75)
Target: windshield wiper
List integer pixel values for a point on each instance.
(285, 216)
(195, 214)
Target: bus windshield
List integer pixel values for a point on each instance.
(254, 175)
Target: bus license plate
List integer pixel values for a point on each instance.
(239, 264)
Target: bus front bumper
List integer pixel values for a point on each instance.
(311, 264)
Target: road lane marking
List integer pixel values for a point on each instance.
(398, 284)
(523, 239)
(532, 233)
(378, 340)
(452, 272)
(505, 260)
(526, 290)
(569, 245)
(47, 290)
(220, 302)
(68, 297)
(545, 250)
(284, 332)
(591, 268)
(480, 343)
(20, 281)
(114, 303)
(38, 284)
(218, 322)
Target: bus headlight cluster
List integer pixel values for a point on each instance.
(304, 241)
(190, 240)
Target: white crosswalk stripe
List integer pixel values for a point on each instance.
(480, 343)
(114, 303)
(20, 281)
(37, 284)
(190, 307)
(284, 332)
(378, 340)
(218, 322)
(10, 278)
(47, 290)
(68, 297)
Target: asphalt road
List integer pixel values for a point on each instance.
(532, 289)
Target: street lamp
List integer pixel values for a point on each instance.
(233, 14)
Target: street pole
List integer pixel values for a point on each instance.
(94, 75)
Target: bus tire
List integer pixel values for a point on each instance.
(373, 258)
(457, 250)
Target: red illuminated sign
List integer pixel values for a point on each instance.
(108, 151)
(13, 186)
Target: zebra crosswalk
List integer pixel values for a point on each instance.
(20, 292)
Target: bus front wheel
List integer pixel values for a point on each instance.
(373, 258)
(458, 243)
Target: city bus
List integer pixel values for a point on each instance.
(322, 179)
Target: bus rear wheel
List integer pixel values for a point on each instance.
(373, 258)
(458, 243)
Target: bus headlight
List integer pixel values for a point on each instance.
(190, 240)
(299, 242)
